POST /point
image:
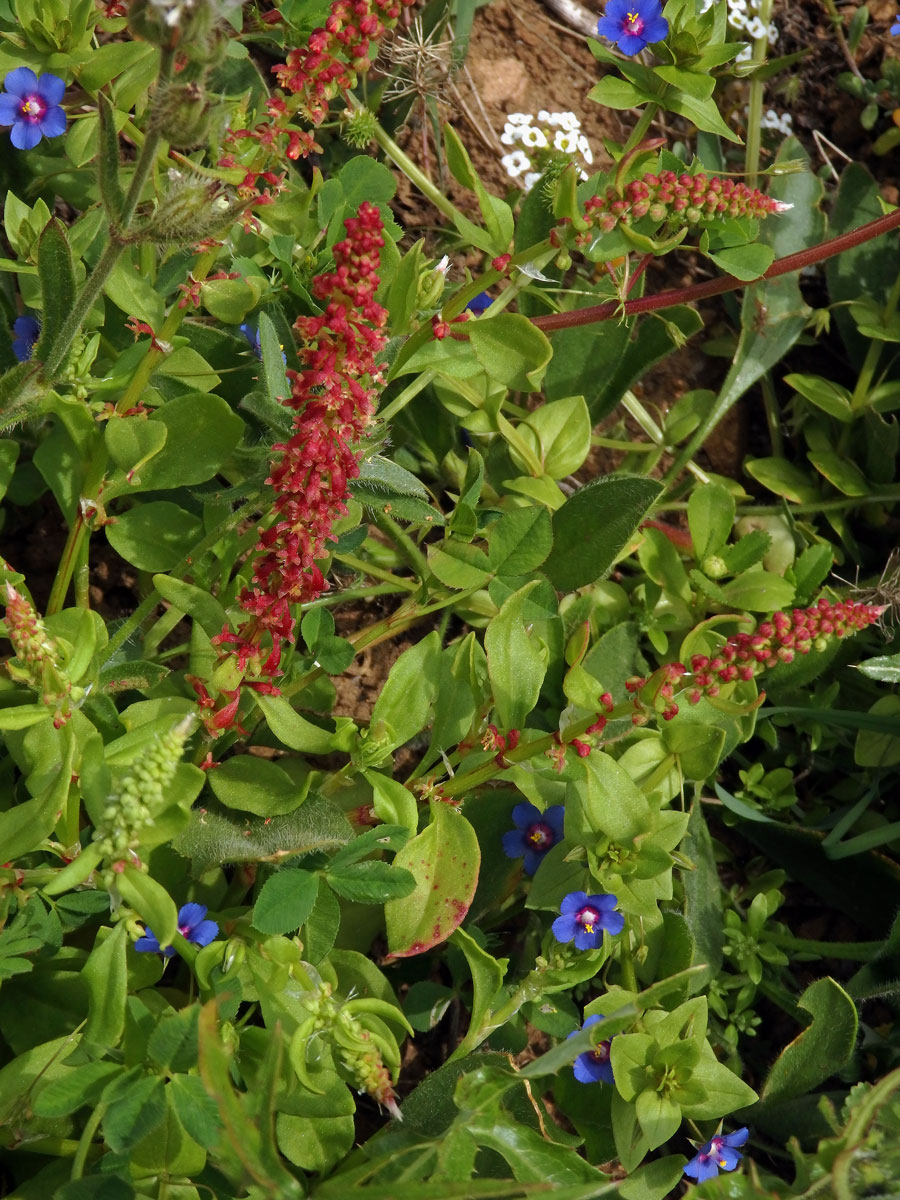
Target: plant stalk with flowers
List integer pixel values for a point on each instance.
(369, 678)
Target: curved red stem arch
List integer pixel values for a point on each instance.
(725, 283)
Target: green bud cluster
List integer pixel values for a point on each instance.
(363, 1043)
(193, 208)
(40, 660)
(181, 112)
(142, 795)
(358, 127)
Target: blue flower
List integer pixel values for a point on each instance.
(252, 336)
(632, 24)
(895, 28)
(27, 330)
(717, 1154)
(534, 834)
(585, 917)
(479, 303)
(190, 925)
(593, 1066)
(31, 105)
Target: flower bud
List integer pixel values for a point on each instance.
(192, 209)
(181, 112)
(358, 127)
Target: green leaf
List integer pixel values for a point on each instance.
(594, 526)
(194, 602)
(516, 661)
(487, 978)
(131, 442)
(151, 902)
(83, 1085)
(613, 92)
(285, 901)
(106, 981)
(110, 188)
(294, 730)
(381, 472)
(214, 838)
(458, 564)
(371, 882)
(195, 1109)
(392, 802)
(318, 1143)
(702, 899)
(559, 436)
(406, 699)
(819, 1051)
(710, 517)
(840, 472)
(885, 668)
(704, 113)
(173, 1043)
(131, 292)
(154, 536)
(277, 386)
(783, 478)
(831, 397)
(512, 350)
(201, 433)
(748, 262)
(759, 591)
(257, 785)
(444, 860)
(135, 1106)
(57, 276)
(520, 541)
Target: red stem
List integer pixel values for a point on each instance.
(725, 283)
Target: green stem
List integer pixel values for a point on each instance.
(409, 393)
(93, 285)
(773, 417)
(817, 506)
(412, 172)
(637, 135)
(84, 1142)
(626, 964)
(854, 951)
(873, 354)
(757, 87)
(141, 377)
(364, 568)
(403, 542)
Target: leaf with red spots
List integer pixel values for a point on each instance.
(444, 860)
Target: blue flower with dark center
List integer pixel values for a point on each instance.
(479, 303)
(27, 330)
(191, 925)
(584, 919)
(633, 24)
(534, 834)
(31, 105)
(718, 1154)
(593, 1066)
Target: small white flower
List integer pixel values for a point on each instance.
(508, 139)
(755, 28)
(534, 137)
(546, 117)
(530, 180)
(566, 141)
(738, 20)
(568, 120)
(444, 265)
(519, 118)
(746, 54)
(515, 163)
(772, 33)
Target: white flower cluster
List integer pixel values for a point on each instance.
(782, 123)
(743, 17)
(538, 141)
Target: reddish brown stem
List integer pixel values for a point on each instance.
(725, 283)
